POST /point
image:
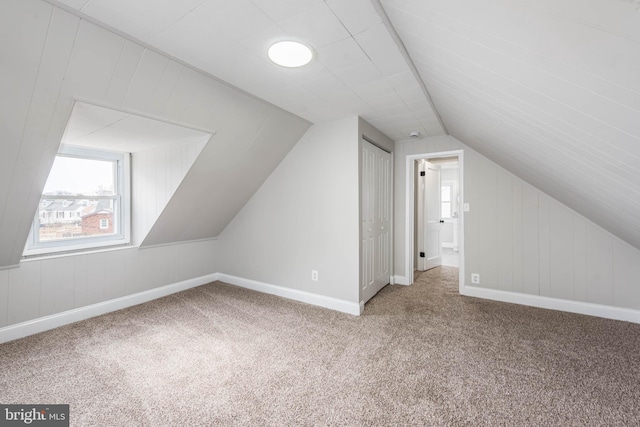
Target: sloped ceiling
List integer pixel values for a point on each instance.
(106, 129)
(359, 69)
(548, 89)
(52, 58)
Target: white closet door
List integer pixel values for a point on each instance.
(376, 219)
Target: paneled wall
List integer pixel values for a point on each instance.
(521, 240)
(48, 286)
(51, 58)
(155, 176)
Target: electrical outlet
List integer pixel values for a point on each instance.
(475, 278)
(314, 275)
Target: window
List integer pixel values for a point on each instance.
(85, 202)
(446, 199)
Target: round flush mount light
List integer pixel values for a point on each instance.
(290, 54)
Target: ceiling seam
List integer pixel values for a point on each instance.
(176, 22)
(107, 27)
(374, 109)
(405, 54)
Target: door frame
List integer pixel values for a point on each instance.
(410, 210)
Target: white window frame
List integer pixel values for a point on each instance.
(122, 202)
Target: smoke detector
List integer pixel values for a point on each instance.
(414, 134)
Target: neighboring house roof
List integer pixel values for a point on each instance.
(97, 207)
(97, 213)
(91, 208)
(62, 206)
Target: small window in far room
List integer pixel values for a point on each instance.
(84, 203)
(446, 200)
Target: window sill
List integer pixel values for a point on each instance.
(76, 252)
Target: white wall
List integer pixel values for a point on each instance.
(56, 284)
(155, 176)
(305, 216)
(46, 286)
(50, 286)
(521, 240)
(51, 58)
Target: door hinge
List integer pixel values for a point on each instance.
(421, 254)
(422, 173)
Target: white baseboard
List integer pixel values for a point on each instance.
(46, 323)
(401, 280)
(294, 294)
(30, 327)
(598, 310)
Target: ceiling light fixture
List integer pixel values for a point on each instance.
(290, 54)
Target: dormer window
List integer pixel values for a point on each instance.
(84, 204)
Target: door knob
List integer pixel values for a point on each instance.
(441, 221)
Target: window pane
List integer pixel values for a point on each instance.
(446, 193)
(77, 176)
(446, 210)
(67, 219)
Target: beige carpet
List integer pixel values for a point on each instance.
(420, 355)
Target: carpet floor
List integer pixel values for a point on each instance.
(419, 355)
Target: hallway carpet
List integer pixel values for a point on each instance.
(419, 355)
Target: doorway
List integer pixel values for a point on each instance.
(435, 211)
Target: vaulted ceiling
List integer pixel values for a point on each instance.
(548, 89)
(360, 70)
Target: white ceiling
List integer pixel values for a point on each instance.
(548, 89)
(359, 69)
(103, 128)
